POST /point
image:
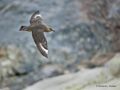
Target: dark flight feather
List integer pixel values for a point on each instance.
(40, 42)
(23, 28)
(36, 18)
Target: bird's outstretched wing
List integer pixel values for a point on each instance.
(36, 18)
(40, 42)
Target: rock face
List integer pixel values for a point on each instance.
(72, 42)
(78, 37)
(105, 15)
(102, 78)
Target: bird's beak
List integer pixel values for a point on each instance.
(53, 30)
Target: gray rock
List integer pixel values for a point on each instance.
(101, 78)
(73, 41)
(21, 50)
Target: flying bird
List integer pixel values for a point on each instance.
(38, 29)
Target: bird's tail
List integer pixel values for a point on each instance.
(23, 28)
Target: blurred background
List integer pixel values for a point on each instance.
(87, 36)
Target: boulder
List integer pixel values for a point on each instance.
(102, 78)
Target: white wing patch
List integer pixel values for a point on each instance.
(43, 48)
(38, 15)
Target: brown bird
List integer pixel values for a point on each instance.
(38, 29)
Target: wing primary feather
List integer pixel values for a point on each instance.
(40, 42)
(35, 20)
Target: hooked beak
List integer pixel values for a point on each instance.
(53, 30)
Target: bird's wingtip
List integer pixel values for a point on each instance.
(37, 11)
(46, 56)
(22, 28)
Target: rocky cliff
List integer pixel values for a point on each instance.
(83, 28)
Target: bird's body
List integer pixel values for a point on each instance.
(37, 29)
